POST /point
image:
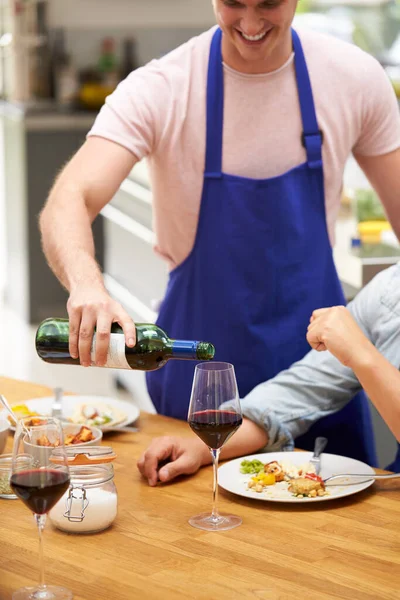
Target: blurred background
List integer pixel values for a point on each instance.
(59, 59)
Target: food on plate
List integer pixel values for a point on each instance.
(258, 482)
(300, 480)
(34, 421)
(84, 435)
(292, 471)
(99, 415)
(21, 411)
(309, 486)
(251, 466)
(43, 440)
(275, 468)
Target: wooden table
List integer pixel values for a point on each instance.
(344, 549)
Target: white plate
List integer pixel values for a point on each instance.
(129, 411)
(231, 479)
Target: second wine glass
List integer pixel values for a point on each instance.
(214, 415)
(39, 483)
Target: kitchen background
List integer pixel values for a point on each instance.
(59, 59)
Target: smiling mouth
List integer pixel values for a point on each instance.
(253, 39)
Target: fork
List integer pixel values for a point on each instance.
(365, 476)
(8, 408)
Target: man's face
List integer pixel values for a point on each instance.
(256, 33)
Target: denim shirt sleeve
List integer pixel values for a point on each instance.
(318, 385)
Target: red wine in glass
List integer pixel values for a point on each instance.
(215, 427)
(214, 415)
(40, 482)
(40, 489)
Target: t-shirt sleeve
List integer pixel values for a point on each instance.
(136, 113)
(380, 128)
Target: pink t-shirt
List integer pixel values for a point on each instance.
(159, 112)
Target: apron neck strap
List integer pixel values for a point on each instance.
(312, 135)
(215, 109)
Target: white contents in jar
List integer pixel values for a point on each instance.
(98, 515)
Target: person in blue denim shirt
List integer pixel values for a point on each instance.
(354, 347)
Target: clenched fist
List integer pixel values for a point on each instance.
(334, 329)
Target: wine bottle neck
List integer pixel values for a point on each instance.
(191, 350)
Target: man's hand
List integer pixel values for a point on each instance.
(90, 306)
(334, 329)
(184, 455)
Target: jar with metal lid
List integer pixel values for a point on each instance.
(91, 503)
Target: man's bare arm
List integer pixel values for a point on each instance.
(383, 173)
(84, 187)
(335, 330)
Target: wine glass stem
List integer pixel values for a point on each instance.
(215, 457)
(41, 521)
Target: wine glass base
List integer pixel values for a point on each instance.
(208, 522)
(49, 592)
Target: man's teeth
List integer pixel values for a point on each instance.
(254, 38)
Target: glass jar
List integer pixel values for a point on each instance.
(90, 504)
(23, 461)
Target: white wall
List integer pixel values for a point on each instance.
(3, 233)
(122, 13)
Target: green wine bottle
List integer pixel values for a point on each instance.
(152, 350)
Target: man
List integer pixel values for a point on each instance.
(363, 344)
(244, 128)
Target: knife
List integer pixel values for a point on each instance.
(319, 447)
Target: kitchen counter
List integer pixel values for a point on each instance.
(357, 266)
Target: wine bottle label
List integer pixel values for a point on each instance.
(116, 358)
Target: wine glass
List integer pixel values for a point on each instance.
(39, 483)
(214, 415)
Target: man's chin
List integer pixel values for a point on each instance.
(252, 56)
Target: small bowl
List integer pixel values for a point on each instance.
(41, 453)
(4, 429)
(75, 428)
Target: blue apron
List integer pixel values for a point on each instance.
(261, 263)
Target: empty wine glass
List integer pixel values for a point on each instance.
(214, 415)
(39, 483)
